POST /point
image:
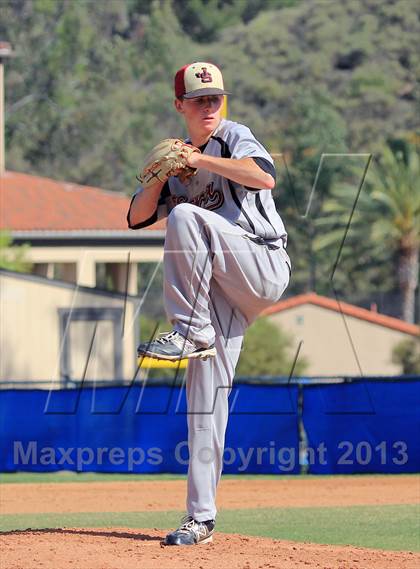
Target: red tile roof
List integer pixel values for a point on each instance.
(35, 203)
(343, 308)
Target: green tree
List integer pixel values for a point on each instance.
(407, 355)
(267, 350)
(90, 90)
(203, 20)
(12, 257)
(385, 229)
(315, 128)
(396, 193)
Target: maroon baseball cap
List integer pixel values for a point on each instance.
(199, 79)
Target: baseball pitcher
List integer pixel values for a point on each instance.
(225, 261)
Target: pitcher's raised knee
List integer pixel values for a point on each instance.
(182, 212)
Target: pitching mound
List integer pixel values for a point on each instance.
(120, 548)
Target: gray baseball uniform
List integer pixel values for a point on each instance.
(225, 261)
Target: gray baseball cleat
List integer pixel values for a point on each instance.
(173, 346)
(191, 532)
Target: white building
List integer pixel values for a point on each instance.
(338, 338)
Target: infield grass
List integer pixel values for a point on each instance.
(69, 476)
(395, 527)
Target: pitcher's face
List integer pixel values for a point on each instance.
(202, 114)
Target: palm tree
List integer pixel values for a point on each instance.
(386, 223)
(397, 190)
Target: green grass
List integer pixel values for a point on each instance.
(68, 476)
(393, 527)
(381, 527)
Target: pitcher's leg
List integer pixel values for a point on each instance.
(200, 246)
(208, 386)
(187, 273)
(211, 269)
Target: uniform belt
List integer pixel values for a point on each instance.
(260, 241)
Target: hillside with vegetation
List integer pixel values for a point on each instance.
(90, 91)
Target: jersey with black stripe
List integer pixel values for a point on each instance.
(252, 209)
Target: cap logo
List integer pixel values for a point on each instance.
(205, 76)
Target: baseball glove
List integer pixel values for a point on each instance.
(168, 158)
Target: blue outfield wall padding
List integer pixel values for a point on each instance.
(363, 427)
(120, 429)
(262, 436)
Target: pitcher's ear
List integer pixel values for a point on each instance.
(178, 104)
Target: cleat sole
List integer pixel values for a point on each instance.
(201, 355)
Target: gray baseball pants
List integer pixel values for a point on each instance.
(217, 281)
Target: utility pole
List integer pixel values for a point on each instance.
(5, 52)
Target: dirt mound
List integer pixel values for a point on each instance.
(121, 548)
